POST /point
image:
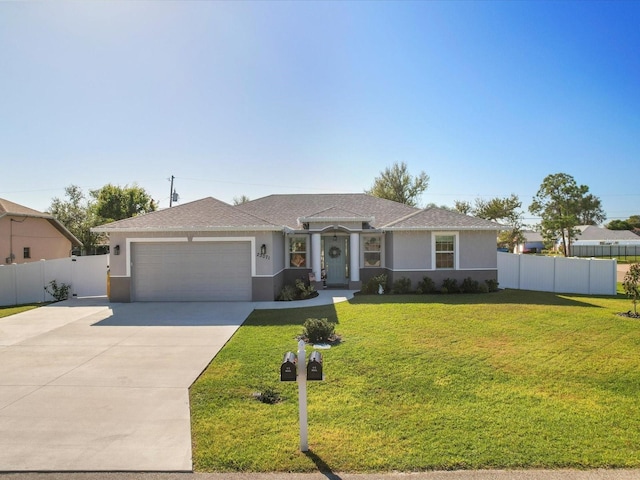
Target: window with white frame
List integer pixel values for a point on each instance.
(373, 251)
(445, 251)
(298, 252)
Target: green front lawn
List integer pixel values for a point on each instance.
(513, 379)
(6, 311)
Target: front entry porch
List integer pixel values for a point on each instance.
(336, 259)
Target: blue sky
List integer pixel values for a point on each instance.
(255, 98)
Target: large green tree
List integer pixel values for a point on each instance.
(113, 202)
(75, 213)
(397, 184)
(631, 223)
(562, 205)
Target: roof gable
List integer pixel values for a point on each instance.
(285, 210)
(8, 208)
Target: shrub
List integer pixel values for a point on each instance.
(287, 294)
(450, 285)
(318, 330)
(59, 292)
(492, 285)
(373, 284)
(304, 290)
(469, 285)
(269, 395)
(426, 285)
(401, 286)
(631, 285)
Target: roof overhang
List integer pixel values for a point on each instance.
(245, 228)
(52, 220)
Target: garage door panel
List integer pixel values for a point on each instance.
(203, 271)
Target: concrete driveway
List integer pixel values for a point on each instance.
(88, 385)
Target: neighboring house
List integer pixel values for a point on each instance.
(533, 243)
(27, 235)
(594, 235)
(208, 250)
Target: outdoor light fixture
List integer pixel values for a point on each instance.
(116, 250)
(263, 249)
(335, 237)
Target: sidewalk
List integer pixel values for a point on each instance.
(454, 475)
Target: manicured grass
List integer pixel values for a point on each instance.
(6, 311)
(513, 379)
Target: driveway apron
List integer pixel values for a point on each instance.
(90, 386)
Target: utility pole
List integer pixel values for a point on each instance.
(173, 196)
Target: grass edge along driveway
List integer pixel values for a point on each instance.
(515, 379)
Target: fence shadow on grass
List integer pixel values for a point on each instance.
(506, 296)
(323, 468)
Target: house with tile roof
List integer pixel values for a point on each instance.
(27, 235)
(208, 250)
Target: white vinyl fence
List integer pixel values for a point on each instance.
(25, 283)
(589, 276)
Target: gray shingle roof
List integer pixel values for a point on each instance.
(287, 209)
(594, 233)
(434, 218)
(205, 214)
(276, 212)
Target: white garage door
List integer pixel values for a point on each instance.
(191, 272)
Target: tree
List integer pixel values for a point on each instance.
(76, 215)
(562, 205)
(502, 210)
(631, 285)
(113, 202)
(631, 223)
(240, 200)
(397, 184)
(463, 207)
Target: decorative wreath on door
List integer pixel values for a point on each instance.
(334, 252)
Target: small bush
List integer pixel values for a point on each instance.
(450, 285)
(287, 294)
(426, 285)
(269, 396)
(401, 286)
(373, 284)
(492, 285)
(318, 330)
(304, 290)
(631, 285)
(469, 285)
(59, 292)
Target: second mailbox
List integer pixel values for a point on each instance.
(314, 366)
(288, 371)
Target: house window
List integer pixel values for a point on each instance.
(445, 251)
(298, 252)
(372, 251)
(26, 252)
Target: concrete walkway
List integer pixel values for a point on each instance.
(86, 385)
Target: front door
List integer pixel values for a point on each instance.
(335, 261)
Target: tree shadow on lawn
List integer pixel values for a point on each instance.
(505, 296)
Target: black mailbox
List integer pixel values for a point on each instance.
(288, 368)
(314, 366)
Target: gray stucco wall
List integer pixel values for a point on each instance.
(478, 250)
(411, 250)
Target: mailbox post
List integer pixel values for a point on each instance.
(293, 368)
(302, 398)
